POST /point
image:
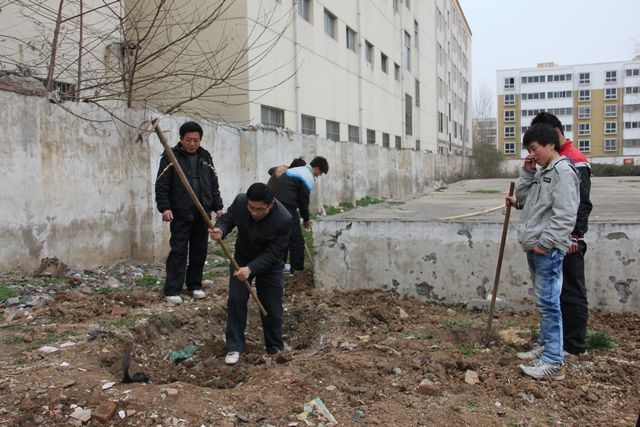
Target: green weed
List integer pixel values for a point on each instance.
(466, 350)
(150, 281)
(104, 290)
(14, 339)
(600, 340)
(457, 324)
(6, 293)
(535, 333)
(125, 322)
(367, 201)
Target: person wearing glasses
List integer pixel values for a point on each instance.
(264, 226)
(189, 237)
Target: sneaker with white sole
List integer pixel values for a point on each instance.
(198, 294)
(532, 354)
(232, 358)
(173, 299)
(544, 371)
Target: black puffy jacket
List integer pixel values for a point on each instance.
(171, 194)
(260, 245)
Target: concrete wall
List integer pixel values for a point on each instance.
(84, 190)
(456, 262)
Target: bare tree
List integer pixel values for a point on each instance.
(487, 159)
(170, 55)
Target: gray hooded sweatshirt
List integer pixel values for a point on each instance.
(550, 197)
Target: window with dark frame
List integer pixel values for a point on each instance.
(333, 130)
(272, 116)
(408, 114)
(371, 136)
(308, 125)
(354, 134)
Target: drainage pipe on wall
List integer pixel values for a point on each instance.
(298, 64)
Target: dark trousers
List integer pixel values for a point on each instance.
(573, 301)
(269, 286)
(189, 239)
(296, 243)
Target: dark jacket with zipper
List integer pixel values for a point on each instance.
(260, 244)
(171, 194)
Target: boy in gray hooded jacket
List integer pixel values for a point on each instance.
(549, 198)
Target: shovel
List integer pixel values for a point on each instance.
(496, 280)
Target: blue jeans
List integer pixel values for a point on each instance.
(546, 274)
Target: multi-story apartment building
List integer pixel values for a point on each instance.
(390, 72)
(598, 104)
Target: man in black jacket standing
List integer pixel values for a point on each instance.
(263, 234)
(188, 228)
(293, 189)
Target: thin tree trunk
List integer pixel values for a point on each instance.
(54, 48)
(80, 54)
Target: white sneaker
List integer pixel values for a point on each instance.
(532, 354)
(198, 294)
(543, 371)
(232, 358)
(174, 299)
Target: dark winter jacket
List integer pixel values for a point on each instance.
(263, 243)
(584, 171)
(293, 189)
(171, 194)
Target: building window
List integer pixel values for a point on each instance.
(584, 95)
(524, 129)
(441, 122)
(333, 130)
(398, 142)
(272, 116)
(510, 99)
(509, 115)
(584, 145)
(634, 90)
(384, 63)
(584, 78)
(584, 112)
(610, 128)
(584, 128)
(509, 148)
(396, 71)
(568, 128)
(417, 145)
(610, 110)
(611, 77)
(304, 10)
(308, 125)
(408, 115)
(631, 125)
(632, 72)
(509, 131)
(509, 82)
(371, 136)
(354, 134)
(330, 23)
(610, 144)
(611, 93)
(368, 52)
(417, 93)
(385, 140)
(415, 34)
(407, 51)
(351, 39)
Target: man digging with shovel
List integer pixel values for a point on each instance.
(264, 226)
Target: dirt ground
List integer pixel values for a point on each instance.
(372, 357)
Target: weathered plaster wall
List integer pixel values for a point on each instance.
(84, 190)
(456, 262)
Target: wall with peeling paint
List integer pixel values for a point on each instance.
(83, 191)
(456, 262)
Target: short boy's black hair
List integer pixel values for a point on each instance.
(190, 127)
(549, 119)
(298, 161)
(320, 162)
(543, 134)
(260, 192)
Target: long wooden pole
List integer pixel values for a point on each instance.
(496, 280)
(205, 216)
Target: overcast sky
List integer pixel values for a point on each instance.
(521, 33)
